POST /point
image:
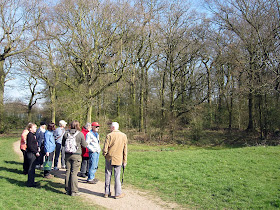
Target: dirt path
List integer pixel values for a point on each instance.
(133, 200)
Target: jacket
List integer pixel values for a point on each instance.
(85, 150)
(115, 148)
(31, 143)
(23, 139)
(49, 142)
(80, 140)
(40, 137)
(58, 134)
(93, 142)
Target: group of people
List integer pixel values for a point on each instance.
(48, 141)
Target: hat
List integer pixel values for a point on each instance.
(42, 123)
(95, 124)
(62, 122)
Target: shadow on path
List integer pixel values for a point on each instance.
(84, 190)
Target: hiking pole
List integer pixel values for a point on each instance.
(122, 173)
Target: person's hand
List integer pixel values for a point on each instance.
(37, 154)
(124, 165)
(47, 153)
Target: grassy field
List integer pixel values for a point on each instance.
(240, 178)
(221, 178)
(15, 195)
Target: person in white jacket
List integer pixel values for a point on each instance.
(92, 138)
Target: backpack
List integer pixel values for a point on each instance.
(70, 143)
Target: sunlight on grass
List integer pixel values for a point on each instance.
(207, 178)
(15, 195)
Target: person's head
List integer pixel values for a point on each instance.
(43, 125)
(95, 126)
(114, 126)
(33, 128)
(28, 126)
(62, 123)
(51, 126)
(88, 126)
(75, 125)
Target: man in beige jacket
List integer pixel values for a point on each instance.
(115, 152)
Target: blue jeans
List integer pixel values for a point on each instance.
(59, 148)
(93, 164)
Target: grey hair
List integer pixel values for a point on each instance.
(115, 125)
(87, 125)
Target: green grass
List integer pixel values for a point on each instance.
(223, 178)
(15, 195)
(239, 178)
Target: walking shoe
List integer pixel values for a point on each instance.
(120, 196)
(94, 181)
(67, 193)
(75, 194)
(82, 175)
(55, 168)
(49, 176)
(35, 184)
(107, 195)
(63, 167)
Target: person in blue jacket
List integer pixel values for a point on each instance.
(49, 146)
(40, 137)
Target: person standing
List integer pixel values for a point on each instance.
(115, 153)
(40, 137)
(73, 159)
(92, 138)
(32, 151)
(58, 135)
(49, 146)
(85, 153)
(23, 147)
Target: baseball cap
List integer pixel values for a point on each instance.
(95, 124)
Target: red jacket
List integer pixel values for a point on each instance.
(85, 150)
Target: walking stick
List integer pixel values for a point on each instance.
(122, 173)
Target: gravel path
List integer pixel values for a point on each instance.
(93, 193)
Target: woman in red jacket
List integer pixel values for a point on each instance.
(23, 147)
(85, 154)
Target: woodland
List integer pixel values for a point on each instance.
(166, 70)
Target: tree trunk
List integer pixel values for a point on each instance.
(250, 111)
(118, 100)
(141, 105)
(260, 114)
(89, 108)
(2, 84)
(146, 100)
(53, 103)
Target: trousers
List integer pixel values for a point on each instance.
(59, 148)
(31, 157)
(108, 174)
(73, 163)
(93, 164)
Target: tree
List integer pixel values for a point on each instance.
(93, 45)
(256, 24)
(19, 24)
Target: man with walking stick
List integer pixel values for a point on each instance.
(115, 153)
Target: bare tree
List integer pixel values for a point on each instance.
(93, 45)
(256, 23)
(19, 23)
